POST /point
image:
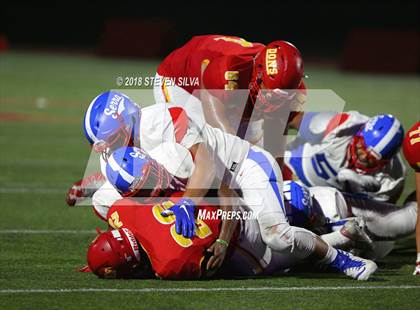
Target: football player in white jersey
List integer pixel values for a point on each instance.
(217, 155)
(351, 152)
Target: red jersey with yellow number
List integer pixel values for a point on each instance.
(171, 255)
(228, 63)
(411, 147)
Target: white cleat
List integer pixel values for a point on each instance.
(353, 266)
(353, 229)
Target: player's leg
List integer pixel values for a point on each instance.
(384, 221)
(261, 184)
(251, 256)
(345, 232)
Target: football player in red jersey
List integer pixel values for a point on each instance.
(214, 68)
(411, 150)
(145, 244)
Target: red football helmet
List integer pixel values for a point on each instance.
(113, 254)
(411, 147)
(278, 68)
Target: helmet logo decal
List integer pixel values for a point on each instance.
(116, 106)
(271, 61)
(138, 154)
(371, 123)
(133, 243)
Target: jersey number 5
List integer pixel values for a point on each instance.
(322, 167)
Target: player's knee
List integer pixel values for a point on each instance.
(276, 241)
(303, 241)
(292, 240)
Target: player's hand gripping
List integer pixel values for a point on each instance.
(75, 192)
(184, 217)
(219, 249)
(84, 188)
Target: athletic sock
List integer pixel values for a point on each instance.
(336, 239)
(330, 256)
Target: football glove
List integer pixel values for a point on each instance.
(184, 217)
(84, 188)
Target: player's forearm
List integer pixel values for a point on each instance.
(296, 121)
(215, 113)
(202, 177)
(275, 138)
(228, 226)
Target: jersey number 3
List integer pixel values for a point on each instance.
(202, 229)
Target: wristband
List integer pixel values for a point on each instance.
(222, 242)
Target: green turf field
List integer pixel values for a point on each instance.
(42, 101)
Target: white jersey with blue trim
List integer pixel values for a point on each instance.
(316, 158)
(319, 153)
(158, 125)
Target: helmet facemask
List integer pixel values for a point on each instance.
(278, 70)
(153, 185)
(363, 159)
(124, 135)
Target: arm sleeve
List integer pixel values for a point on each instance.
(187, 131)
(313, 126)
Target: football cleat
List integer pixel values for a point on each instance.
(353, 229)
(353, 266)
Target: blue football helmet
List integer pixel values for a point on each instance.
(376, 143)
(134, 173)
(298, 203)
(110, 118)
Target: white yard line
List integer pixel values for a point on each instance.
(214, 289)
(32, 190)
(44, 231)
(40, 162)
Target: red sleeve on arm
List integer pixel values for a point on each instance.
(336, 121)
(180, 122)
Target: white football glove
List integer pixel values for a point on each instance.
(356, 183)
